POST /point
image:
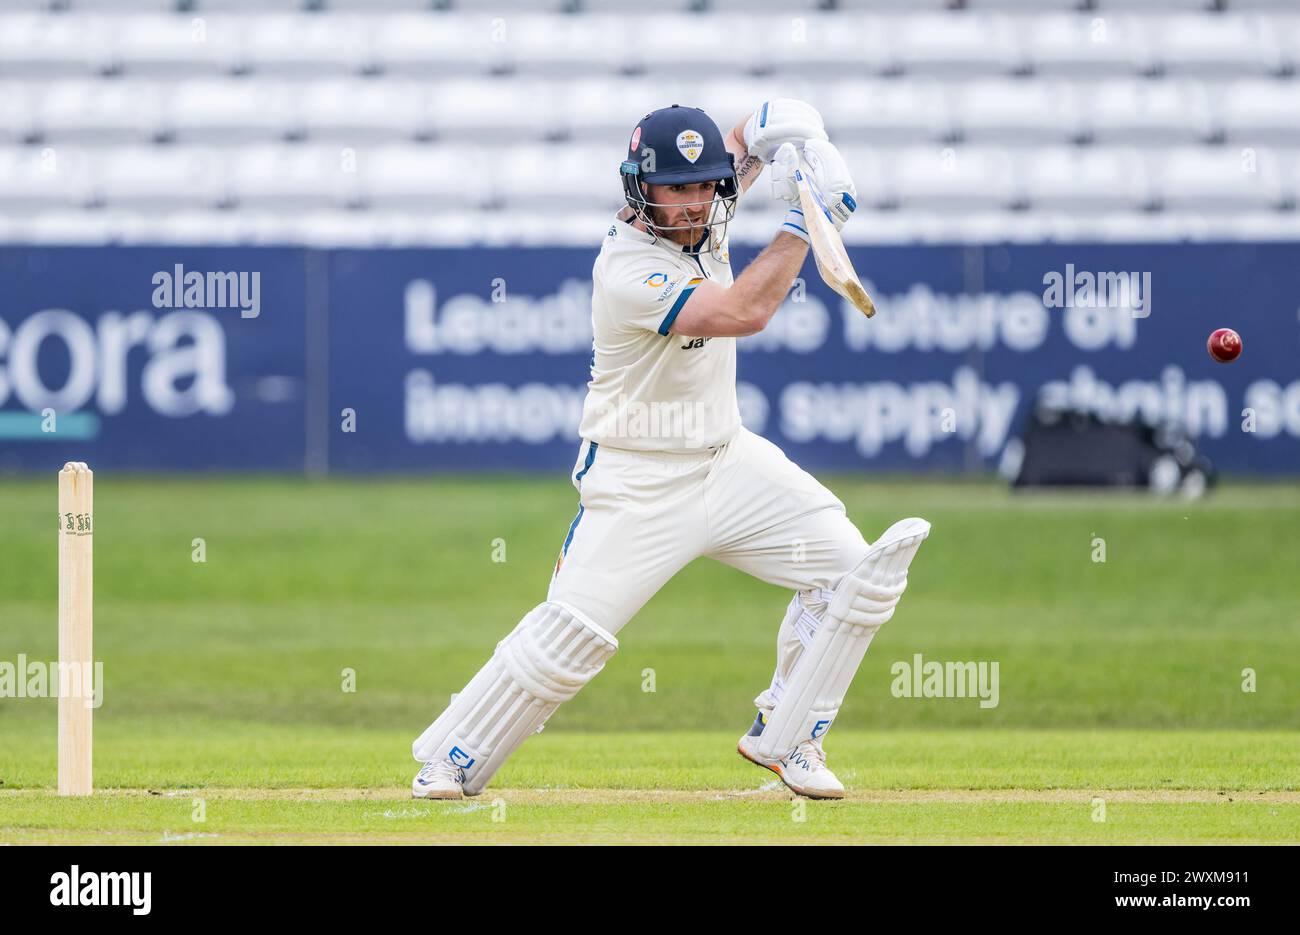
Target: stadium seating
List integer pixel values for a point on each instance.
(419, 121)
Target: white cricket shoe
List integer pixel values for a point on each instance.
(438, 779)
(804, 769)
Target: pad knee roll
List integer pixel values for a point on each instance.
(543, 662)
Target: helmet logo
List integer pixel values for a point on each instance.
(636, 139)
(690, 144)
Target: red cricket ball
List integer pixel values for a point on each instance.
(1224, 345)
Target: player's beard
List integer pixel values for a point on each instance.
(689, 233)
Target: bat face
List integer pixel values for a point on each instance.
(828, 248)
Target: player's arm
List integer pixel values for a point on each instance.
(748, 167)
(757, 137)
(748, 304)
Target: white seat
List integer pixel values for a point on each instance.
(574, 46)
(1091, 179)
(620, 6)
(1259, 111)
(307, 44)
(585, 228)
(450, 44)
(1210, 46)
(166, 45)
(994, 227)
(742, 7)
(1218, 179)
(1133, 227)
(493, 109)
(192, 227)
(97, 110)
(606, 109)
(950, 179)
(894, 6)
(1289, 171)
(1015, 110)
(332, 228)
(1277, 6)
(292, 177)
(28, 6)
(158, 177)
(362, 111)
(944, 44)
(204, 7)
(1269, 225)
(61, 226)
(1141, 110)
(1286, 32)
(1104, 7)
(44, 177)
(18, 109)
(1031, 6)
(830, 45)
(677, 47)
(441, 176)
(117, 6)
(429, 228)
(874, 110)
(560, 178)
(1079, 45)
(35, 45)
(229, 110)
(387, 6)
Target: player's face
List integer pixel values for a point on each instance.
(686, 206)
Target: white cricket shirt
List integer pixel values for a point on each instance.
(651, 390)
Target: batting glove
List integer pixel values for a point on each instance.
(783, 120)
(827, 172)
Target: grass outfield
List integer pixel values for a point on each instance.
(224, 679)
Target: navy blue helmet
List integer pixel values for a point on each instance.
(679, 145)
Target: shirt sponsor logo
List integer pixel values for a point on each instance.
(672, 287)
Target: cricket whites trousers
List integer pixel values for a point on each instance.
(645, 515)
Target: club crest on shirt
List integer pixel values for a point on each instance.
(690, 144)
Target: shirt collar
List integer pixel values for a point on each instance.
(695, 250)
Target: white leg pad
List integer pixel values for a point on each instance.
(544, 661)
(863, 601)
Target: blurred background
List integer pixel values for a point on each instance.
(351, 241)
(421, 187)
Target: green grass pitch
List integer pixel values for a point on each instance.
(1121, 718)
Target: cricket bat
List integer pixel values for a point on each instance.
(828, 248)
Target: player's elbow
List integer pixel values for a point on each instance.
(751, 319)
(721, 312)
(742, 315)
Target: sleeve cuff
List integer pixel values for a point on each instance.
(672, 312)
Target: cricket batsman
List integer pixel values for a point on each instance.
(666, 473)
